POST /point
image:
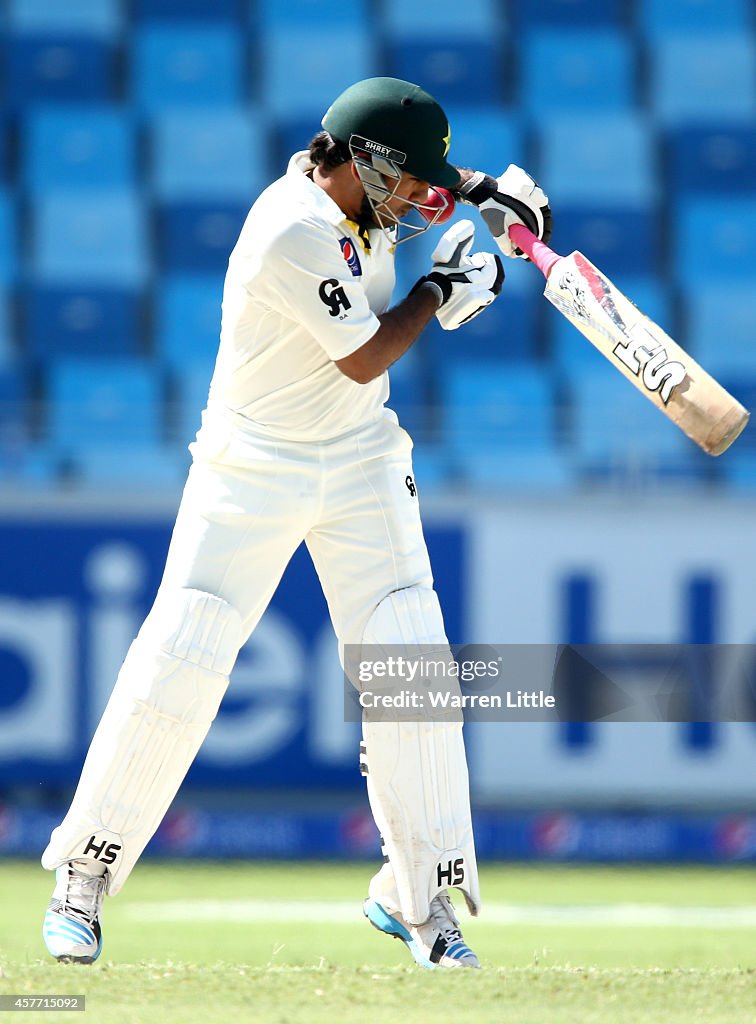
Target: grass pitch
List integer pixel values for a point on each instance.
(286, 943)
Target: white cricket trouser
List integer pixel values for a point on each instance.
(245, 510)
(243, 516)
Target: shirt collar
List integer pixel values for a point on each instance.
(315, 195)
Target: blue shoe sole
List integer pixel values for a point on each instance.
(384, 922)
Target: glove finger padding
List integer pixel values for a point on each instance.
(465, 284)
(481, 286)
(518, 199)
(454, 244)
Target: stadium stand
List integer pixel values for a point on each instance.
(206, 153)
(703, 76)
(136, 135)
(458, 69)
(57, 67)
(86, 17)
(113, 400)
(658, 17)
(80, 320)
(598, 158)
(586, 70)
(78, 147)
(180, 64)
(718, 158)
(99, 237)
(484, 16)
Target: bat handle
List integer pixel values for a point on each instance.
(543, 257)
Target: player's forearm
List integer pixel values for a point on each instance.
(400, 327)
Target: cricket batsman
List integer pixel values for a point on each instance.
(296, 444)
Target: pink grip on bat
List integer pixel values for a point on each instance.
(543, 257)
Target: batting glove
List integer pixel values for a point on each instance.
(464, 284)
(514, 198)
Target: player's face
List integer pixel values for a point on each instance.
(409, 190)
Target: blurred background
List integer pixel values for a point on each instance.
(559, 505)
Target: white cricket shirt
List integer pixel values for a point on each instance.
(301, 291)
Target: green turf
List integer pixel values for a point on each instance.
(209, 970)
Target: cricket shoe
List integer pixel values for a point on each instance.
(71, 929)
(436, 943)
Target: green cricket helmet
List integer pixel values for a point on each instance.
(391, 126)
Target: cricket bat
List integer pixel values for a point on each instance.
(655, 364)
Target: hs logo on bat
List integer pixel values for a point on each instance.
(643, 354)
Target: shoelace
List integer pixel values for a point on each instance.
(83, 894)
(443, 916)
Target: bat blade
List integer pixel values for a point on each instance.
(645, 354)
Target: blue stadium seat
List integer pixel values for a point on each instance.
(568, 13)
(7, 338)
(82, 17)
(658, 17)
(432, 467)
(455, 69)
(187, 320)
(14, 404)
(505, 331)
(573, 353)
(58, 68)
(705, 77)
(207, 154)
(739, 467)
(718, 158)
(720, 329)
(110, 401)
(494, 407)
(176, 65)
(546, 471)
(410, 392)
(613, 423)
(98, 238)
(312, 13)
(77, 147)
(8, 238)
(304, 70)
(290, 135)
(617, 239)
(198, 237)
(482, 17)
(33, 466)
(143, 468)
(486, 138)
(6, 170)
(591, 71)
(15, 443)
(198, 10)
(81, 321)
(729, 252)
(604, 158)
(192, 384)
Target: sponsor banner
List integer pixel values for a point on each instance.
(72, 597)
(350, 833)
(74, 590)
(616, 570)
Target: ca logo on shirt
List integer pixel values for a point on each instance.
(333, 295)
